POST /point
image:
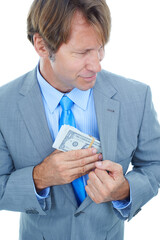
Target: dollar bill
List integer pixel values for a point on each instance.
(70, 138)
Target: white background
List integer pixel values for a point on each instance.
(133, 51)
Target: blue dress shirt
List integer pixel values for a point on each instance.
(85, 118)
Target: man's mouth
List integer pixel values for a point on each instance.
(90, 78)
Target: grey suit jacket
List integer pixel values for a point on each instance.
(129, 133)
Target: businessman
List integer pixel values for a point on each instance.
(80, 194)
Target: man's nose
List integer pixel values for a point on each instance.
(93, 62)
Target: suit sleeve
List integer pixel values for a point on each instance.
(17, 186)
(144, 178)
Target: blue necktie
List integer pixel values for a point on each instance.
(68, 119)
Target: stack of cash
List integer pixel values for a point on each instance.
(70, 138)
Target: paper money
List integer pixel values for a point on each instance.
(70, 138)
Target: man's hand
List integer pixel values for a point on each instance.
(107, 183)
(64, 167)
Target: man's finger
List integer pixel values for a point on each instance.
(80, 171)
(81, 153)
(84, 161)
(56, 151)
(109, 166)
(103, 176)
(90, 193)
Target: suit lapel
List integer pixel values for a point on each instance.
(33, 114)
(67, 188)
(32, 110)
(107, 112)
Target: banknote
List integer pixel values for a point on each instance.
(70, 138)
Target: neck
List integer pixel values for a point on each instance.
(48, 74)
(46, 70)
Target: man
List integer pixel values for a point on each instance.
(37, 180)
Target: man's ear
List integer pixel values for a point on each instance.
(40, 46)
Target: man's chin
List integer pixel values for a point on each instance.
(86, 86)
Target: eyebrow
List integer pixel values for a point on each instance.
(82, 49)
(85, 49)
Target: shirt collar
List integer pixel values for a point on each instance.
(79, 97)
(52, 96)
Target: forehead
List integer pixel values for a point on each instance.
(78, 19)
(82, 33)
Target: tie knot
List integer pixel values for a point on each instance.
(66, 103)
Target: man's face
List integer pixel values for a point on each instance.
(77, 62)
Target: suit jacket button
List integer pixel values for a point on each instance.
(31, 211)
(78, 213)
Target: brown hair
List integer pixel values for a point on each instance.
(52, 19)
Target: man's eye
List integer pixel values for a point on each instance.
(82, 53)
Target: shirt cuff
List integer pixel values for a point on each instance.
(43, 193)
(123, 206)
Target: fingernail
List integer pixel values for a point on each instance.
(100, 157)
(99, 164)
(94, 150)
